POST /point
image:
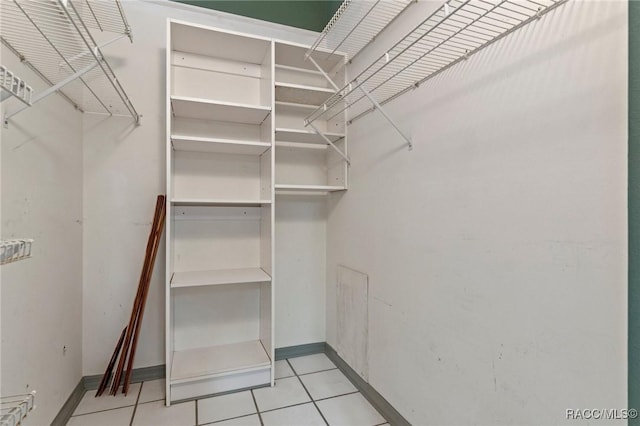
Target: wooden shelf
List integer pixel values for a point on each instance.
(302, 94)
(215, 361)
(218, 145)
(308, 188)
(219, 277)
(296, 105)
(218, 202)
(305, 136)
(207, 109)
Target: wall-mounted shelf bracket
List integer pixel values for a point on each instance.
(12, 85)
(16, 407)
(53, 89)
(328, 141)
(377, 106)
(324, 74)
(14, 250)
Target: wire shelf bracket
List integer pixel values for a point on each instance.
(12, 85)
(54, 39)
(451, 34)
(14, 250)
(16, 407)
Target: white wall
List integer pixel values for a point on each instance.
(496, 249)
(42, 297)
(124, 171)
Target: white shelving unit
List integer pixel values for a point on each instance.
(220, 186)
(307, 162)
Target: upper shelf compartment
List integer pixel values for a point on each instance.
(221, 68)
(454, 32)
(54, 38)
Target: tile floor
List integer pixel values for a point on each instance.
(309, 391)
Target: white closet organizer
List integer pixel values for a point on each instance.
(454, 32)
(220, 174)
(62, 42)
(307, 161)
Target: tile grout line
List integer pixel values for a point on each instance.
(135, 407)
(257, 409)
(230, 418)
(310, 397)
(102, 411)
(338, 396)
(319, 371)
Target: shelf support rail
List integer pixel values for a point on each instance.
(377, 106)
(53, 89)
(328, 141)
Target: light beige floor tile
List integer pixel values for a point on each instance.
(306, 414)
(349, 410)
(326, 384)
(116, 417)
(252, 420)
(283, 369)
(286, 392)
(225, 407)
(152, 390)
(311, 363)
(91, 404)
(156, 414)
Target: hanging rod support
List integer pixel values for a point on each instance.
(328, 141)
(389, 119)
(335, 87)
(52, 89)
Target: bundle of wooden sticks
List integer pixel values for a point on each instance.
(126, 346)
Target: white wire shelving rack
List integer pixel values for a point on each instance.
(454, 32)
(16, 407)
(14, 250)
(55, 39)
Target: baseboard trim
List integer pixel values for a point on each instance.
(137, 375)
(300, 350)
(155, 372)
(70, 405)
(382, 405)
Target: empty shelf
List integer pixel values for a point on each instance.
(207, 109)
(218, 202)
(302, 94)
(308, 188)
(219, 276)
(217, 145)
(215, 361)
(305, 136)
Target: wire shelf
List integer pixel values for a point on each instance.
(16, 407)
(14, 250)
(53, 38)
(455, 31)
(355, 24)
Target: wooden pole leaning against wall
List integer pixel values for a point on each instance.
(147, 284)
(115, 384)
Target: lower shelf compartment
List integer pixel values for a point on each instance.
(207, 371)
(216, 361)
